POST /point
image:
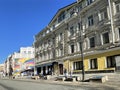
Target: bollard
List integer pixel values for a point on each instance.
(74, 79)
(78, 78)
(63, 79)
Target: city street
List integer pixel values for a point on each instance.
(48, 85)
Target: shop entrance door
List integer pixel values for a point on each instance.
(61, 68)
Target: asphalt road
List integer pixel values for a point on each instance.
(33, 85)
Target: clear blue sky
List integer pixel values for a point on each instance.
(20, 20)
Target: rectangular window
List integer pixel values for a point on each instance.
(72, 31)
(49, 42)
(93, 63)
(77, 65)
(80, 7)
(92, 42)
(111, 62)
(80, 27)
(89, 2)
(103, 15)
(80, 46)
(106, 38)
(72, 12)
(72, 49)
(118, 8)
(61, 52)
(61, 36)
(61, 17)
(90, 20)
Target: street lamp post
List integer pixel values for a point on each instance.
(81, 51)
(81, 44)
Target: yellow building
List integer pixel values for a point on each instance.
(96, 61)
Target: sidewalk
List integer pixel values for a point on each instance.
(97, 86)
(113, 82)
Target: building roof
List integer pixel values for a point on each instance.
(61, 10)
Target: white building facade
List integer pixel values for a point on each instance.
(95, 24)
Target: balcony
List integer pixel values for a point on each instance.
(117, 19)
(68, 18)
(103, 24)
(85, 8)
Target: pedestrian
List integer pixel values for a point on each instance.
(65, 73)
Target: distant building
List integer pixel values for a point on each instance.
(1, 70)
(17, 60)
(95, 24)
(1, 67)
(8, 68)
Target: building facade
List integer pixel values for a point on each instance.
(92, 26)
(1, 70)
(8, 66)
(19, 61)
(1, 67)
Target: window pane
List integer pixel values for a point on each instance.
(72, 31)
(111, 61)
(105, 38)
(72, 48)
(93, 64)
(92, 42)
(118, 8)
(89, 1)
(78, 65)
(61, 17)
(90, 20)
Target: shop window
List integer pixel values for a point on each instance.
(93, 63)
(119, 32)
(106, 38)
(92, 42)
(78, 65)
(111, 62)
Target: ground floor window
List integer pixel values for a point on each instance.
(78, 65)
(111, 62)
(93, 63)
